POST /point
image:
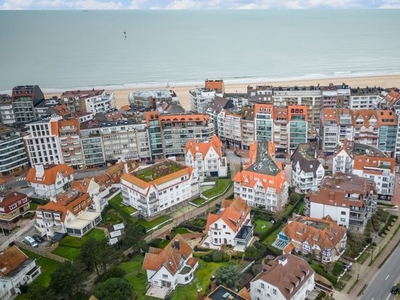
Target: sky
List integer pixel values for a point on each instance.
(195, 4)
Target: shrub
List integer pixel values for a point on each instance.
(252, 252)
(337, 268)
(217, 256)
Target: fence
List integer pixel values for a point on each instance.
(42, 252)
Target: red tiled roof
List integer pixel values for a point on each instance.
(194, 146)
(10, 260)
(7, 200)
(50, 174)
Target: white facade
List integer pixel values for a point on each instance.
(100, 103)
(364, 101)
(340, 214)
(156, 197)
(7, 115)
(305, 180)
(342, 162)
(229, 128)
(260, 290)
(43, 143)
(200, 99)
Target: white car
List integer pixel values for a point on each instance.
(30, 241)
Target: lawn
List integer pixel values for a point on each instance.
(262, 226)
(74, 242)
(272, 237)
(67, 252)
(220, 187)
(151, 224)
(33, 206)
(112, 217)
(198, 201)
(117, 200)
(136, 276)
(201, 279)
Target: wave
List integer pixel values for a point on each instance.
(200, 82)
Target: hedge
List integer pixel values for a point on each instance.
(39, 200)
(388, 223)
(191, 227)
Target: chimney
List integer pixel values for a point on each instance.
(177, 245)
(200, 295)
(282, 260)
(126, 167)
(39, 171)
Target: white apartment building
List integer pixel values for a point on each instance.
(307, 171)
(329, 130)
(263, 182)
(366, 127)
(90, 101)
(206, 158)
(100, 103)
(125, 139)
(364, 98)
(159, 188)
(50, 180)
(287, 277)
(43, 143)
(229, 128)
(200, 98)
(7, 116)
(16, 269)
(70, 142)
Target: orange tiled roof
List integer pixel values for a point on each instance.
(250, 179)
(10, 198)
(329, 114)
(387, 117)
(2, 181)
(264, 109)
(169, 257)
(62, 110)
(297, 110)
(50, 174)
(364, 114)
(392, 97)
(233, 214)
(363, 162)
(81, 185)
(74, 122)
(194, 146)
(10, 260)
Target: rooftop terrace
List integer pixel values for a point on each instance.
(264, 163)
(158, 170)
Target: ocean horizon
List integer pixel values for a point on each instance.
(61, 50)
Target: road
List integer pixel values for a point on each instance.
(387, 276)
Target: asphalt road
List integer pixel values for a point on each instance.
(387, 276)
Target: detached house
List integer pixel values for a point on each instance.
(206, 158)
(16, 269)
(68, 213)
(286, 277)
(307, 171)
(168, 267)
(322, 238)
(12, 206)
(230, 226)
(50, 180)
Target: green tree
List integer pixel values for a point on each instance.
(66, 281)
(228, 276)
(113, 272)
(134, 237)
(40, 292)
(113, 288)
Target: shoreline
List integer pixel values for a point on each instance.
(384, 81)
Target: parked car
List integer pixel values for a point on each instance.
(30, 241)
(38, 238)
(394, 290)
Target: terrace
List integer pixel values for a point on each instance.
(157, 171)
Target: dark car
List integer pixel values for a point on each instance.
(38, 238)
(394, 290)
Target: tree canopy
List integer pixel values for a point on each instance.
(228, 276)
(114, 288)
(66, 280)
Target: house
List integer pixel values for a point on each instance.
(50, 180)
(263, 182)
(16, 269)
(70, 212)
(159, 188)
(285, 277)
(206, 158)
(348, 199)
(231, 225)
(307, 171)
(12, 206)
(323, 239)
(167, 268)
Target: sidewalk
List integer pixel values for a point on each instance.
(366, 273)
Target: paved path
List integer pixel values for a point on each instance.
(366, 273)
(25, 225)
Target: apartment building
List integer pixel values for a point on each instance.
(169, 134)
(307, 171)
(45, 108)
(160, 188)
(16, 270)
(329, 130)
(297, 127)
(70, 142)
(229, 129)
(13, 205)
(215, 108)
(247, 127)
(263, 122)
(50, 180)
(366, 126)
(43, 143)
(348, 199)
(67, 213)
(322, 239)
(92, 144)
(124, 139)
(7, 116)
(287, 277)
(364, 98)
(263, 182)
(90, 101)
(151, 98)
(24, 100)
(12, 151)
(230, 226)
(206, 158)
(200, 98)
(387, 120)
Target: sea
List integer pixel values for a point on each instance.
(61, 50)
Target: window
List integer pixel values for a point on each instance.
(262, 285)
(343, 213)
(164, 276)
(274, 291)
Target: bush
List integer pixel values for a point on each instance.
(319, 269)
(337, 268)
(154, 243)
(321, 295)
(39, 200)
(217, 256)
(207, 257)
(252, 252)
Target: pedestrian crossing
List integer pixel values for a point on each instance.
(20, 179)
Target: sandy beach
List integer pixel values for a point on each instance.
(121, 96)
